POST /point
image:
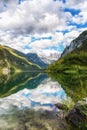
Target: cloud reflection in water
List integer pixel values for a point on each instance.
(42, 97)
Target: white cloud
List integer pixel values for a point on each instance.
(30, 18)
(39, 45)
(68, 37)
(37, 96)
(39, 18)
(81, 4)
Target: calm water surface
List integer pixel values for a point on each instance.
(29, 90)
(27, 99)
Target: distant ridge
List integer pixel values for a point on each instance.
(14, 60)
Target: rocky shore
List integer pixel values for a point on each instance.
(77, 116)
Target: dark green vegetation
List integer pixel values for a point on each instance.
(71, 72)
(75, 85)
(33, 58)
(12, 83)
(77, 117)
(14, 61)
(71, 69)
(74, 61)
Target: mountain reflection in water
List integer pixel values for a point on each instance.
(29, 90)
(27, 99)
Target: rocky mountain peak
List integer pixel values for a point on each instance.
(76, 43)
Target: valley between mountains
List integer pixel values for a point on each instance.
(19, 71)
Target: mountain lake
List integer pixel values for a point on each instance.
(28, 101)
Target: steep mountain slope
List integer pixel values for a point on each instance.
(74, 58)
(42, 59)
(49, 58)
(13, 61)
(34, 58)
(76, 43)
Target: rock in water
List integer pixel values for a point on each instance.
(78, 116)
(61, 106)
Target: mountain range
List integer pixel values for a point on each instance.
(34, 58)
(49, 58)
(75, 44)
(12, 60)
(42, 59)
(74, 57)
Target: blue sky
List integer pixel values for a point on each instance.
(41, 26)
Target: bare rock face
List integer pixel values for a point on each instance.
(77, 116)
(76, 43)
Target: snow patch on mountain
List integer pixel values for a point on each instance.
(48, 58)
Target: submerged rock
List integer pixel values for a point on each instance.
(75, 117)
(78, 115)
(32, 120)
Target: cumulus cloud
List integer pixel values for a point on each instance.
(76, 4)
(30, 18)
(38, 18)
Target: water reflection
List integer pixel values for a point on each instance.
(75, 85)
(10, 84)
(29, 98)
(29, 90)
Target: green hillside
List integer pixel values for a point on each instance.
(71, 69)
(72, 62)
(13, 61)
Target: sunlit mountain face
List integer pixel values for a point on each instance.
(47, 93)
